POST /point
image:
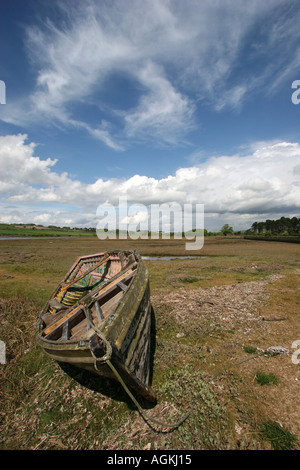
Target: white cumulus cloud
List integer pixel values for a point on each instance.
(264, 182)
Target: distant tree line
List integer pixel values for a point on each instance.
(282, 226)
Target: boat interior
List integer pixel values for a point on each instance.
(65, 319)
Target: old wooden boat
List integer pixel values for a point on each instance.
(99, 318)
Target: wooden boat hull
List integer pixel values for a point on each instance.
(127, 328)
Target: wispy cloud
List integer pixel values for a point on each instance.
(174, 54)
(162, 112)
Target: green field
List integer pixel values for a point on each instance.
(214, 317)
(10, 230)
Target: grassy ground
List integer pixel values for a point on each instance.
(7, 230)
(212, 313)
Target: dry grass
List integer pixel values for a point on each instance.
(207, 312)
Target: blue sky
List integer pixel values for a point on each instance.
(158, 101)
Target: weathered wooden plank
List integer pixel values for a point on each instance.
(95, 266)
(122, 306)
(100, 294)
(56, 332)
(123, 286)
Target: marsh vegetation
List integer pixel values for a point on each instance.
(212, 314)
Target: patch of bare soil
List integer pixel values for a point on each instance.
(235, 306)
(224, 319)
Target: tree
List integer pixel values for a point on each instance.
(254, 227)
(282, 226)
(260, 226)
(226, 229)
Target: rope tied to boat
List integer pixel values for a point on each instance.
(107, 356)
(106, 359)
(143, 413)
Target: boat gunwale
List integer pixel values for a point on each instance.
(107, 324)
(123, 320)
